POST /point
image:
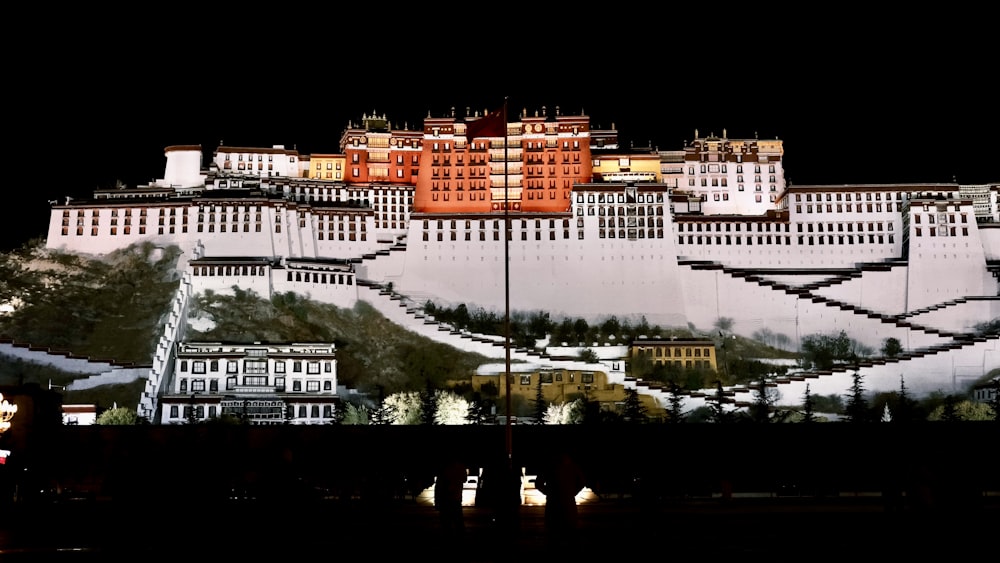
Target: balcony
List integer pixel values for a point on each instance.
(255, 390)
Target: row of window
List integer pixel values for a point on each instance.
(621, 210)
(716, 168)
(872, 227)
(631, 234)
(847, 197)
(629, 197)
(260, 157)
(677, 351)
(240, 270)
(255, 365)
(940, 218)
(941, 231)
(727, 227)
(213, 410)
(687, 364)
(738, 240)
(846, 208)
(716, 182)
(199, 385)
(549, 377)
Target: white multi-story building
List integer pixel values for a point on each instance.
(679, 237)
(261, 383)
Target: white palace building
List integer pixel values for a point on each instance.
(682, 237)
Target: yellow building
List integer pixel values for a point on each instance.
(327, 167)
(558, 386)
(688, 353)
(623, 167)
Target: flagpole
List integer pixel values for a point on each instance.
(506, 285)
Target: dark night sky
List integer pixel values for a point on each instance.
(855, 106)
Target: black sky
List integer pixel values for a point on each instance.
(856, 105)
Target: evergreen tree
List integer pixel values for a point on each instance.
(479, 410)
(807, 407)
(760, 410)
(384, 415)
(950, 412)
(904, 407)
(539, 403)
(891, 347)
(675, 414)
(717, 405)
(856, 409)
(428, 405)
(634, 411)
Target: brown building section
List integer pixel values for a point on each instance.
(559, 386)
(695, 353)
(532, 168)
(376, 153)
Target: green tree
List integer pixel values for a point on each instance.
(807, 407)
(904, 404)
(428, 405)
(675, 412)
(563, 332)
(856, 409)
(580, 330)
(764, 399)
(634, 412)
(540, 405)
(723, 325)
(589, 356)
(949, 412)
(479, 409)
(640, 366)
(954, 410)
(891, 347)
(383, 415)
(354, 415)
(119, 416)
(828, 403)
(611, 327)
(717, 404)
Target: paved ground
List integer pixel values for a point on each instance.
(707, 529)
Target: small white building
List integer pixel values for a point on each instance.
(985, 392)
(79, 415)
(260, 383)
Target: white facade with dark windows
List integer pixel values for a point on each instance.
(254, 383)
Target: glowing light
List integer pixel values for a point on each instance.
(7, 411)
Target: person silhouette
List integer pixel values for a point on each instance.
(449, 482)
(560, 481)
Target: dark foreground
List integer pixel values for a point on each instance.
(707, 529)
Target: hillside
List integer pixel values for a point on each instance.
(111, 307)
(107, 308)
(373, 353)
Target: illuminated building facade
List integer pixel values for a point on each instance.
(680, 237)
(696, 353)
(258, 383)
(558, 386)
